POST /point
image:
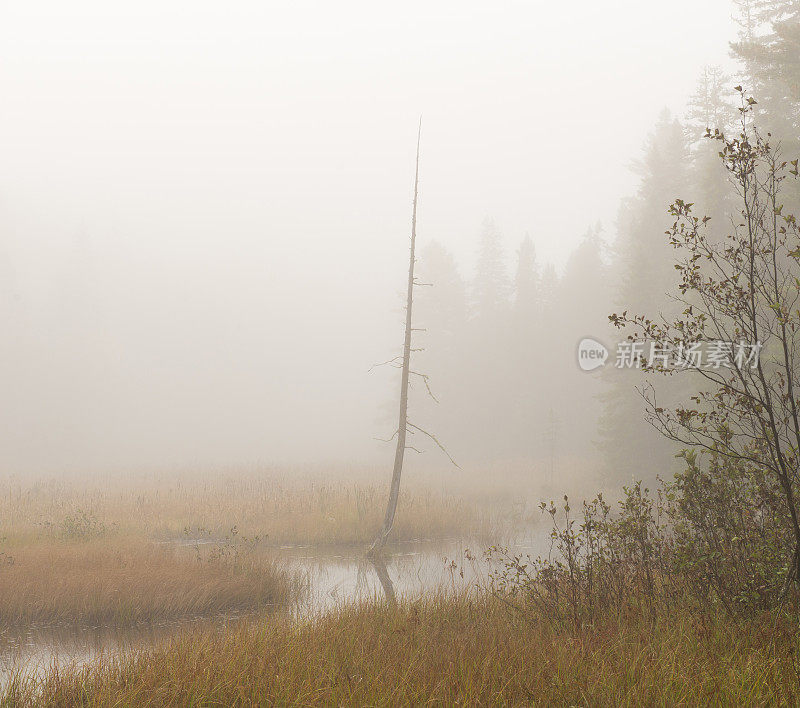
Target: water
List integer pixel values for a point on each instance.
(35, 648)
(335, 578)
(346, 577)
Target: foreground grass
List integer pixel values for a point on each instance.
(124, 583)
(445, 651)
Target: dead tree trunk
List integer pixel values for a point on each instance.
(402, 427)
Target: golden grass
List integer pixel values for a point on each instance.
(280, 508)
(125, 583)
(444, 651)
(102, 551)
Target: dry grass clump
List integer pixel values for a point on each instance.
(446, 650)
(128, 582)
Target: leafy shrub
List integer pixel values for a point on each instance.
(716, 536)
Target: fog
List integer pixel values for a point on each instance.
(205, 213)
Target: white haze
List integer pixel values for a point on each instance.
(204, 207)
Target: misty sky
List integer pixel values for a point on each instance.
(233, 181)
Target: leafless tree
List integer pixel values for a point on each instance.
(403, 424)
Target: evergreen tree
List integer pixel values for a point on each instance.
(442, 308)
(769, 49)
(525, 391)
(585, 294)
(644, 254)
(548, 289)
(710, 109)
(491, 288)
(644, 273)
(526, 281)
(488, 351)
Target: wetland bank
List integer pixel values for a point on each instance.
(315, 624)
(100, 567)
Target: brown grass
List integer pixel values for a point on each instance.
(445, 651)
(131, 582)
(102, 551)
(280, 508)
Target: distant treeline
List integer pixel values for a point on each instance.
(500, 346)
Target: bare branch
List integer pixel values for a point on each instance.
(433, 437)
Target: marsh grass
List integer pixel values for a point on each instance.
(125, 551)
(446, 649)
(129, 582)
(279, 508)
